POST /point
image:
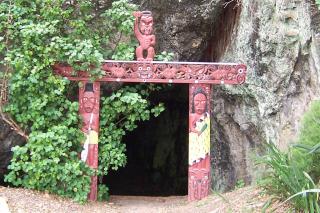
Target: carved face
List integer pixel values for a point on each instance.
(88, 101)
(145, 70)
(200, 103)
(146, 24)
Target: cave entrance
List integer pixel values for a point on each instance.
(198, 75)
(157, 151)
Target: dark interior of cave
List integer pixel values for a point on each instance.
(2, 183)
(157, 151)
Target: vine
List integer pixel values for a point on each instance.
(33, 36)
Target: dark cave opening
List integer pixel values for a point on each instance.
(157, 151)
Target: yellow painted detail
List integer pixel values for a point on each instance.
(92, 137)
(199, 145)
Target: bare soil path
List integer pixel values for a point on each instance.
(244, 200)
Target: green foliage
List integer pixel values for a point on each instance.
(240, 184)
(295, 175)
(318, 3)
(33, 36)
(103, 192)
(285, 179)
(49, 162)
(164, 56)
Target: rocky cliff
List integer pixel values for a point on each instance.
(280, 43)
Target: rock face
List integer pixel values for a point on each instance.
(8, 139)
(280, 43)
(183, 26)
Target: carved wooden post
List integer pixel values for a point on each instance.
(199, 141)
(89, 102)
(199, 76)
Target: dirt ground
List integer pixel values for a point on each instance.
(244, 200)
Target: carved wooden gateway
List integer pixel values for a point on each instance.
(199, 76)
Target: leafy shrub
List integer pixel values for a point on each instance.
(33, 36)
(49, 162)
(103, 192)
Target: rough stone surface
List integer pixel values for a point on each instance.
(183, 26)
(280, 43)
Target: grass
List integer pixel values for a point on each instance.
(288, 181)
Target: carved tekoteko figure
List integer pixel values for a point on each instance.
(143, 32)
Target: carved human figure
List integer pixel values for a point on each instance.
(89, 96)
(143, 31)
(199, 111)
(90, 118)
(199, 127)
(89, 109)
(199, 142)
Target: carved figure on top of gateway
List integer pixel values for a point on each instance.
(143, 31)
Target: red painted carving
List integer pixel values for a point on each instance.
(92, 161)
(144, 71)
(116, 70)
(63, 70)
(168, 72)
(199, 141)
(89, 100)
(199, 180)
(67, 71)
(143, 31)
(163, 72)
(199, 109)
(93, 188)
(199, 105)
(198, 75)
